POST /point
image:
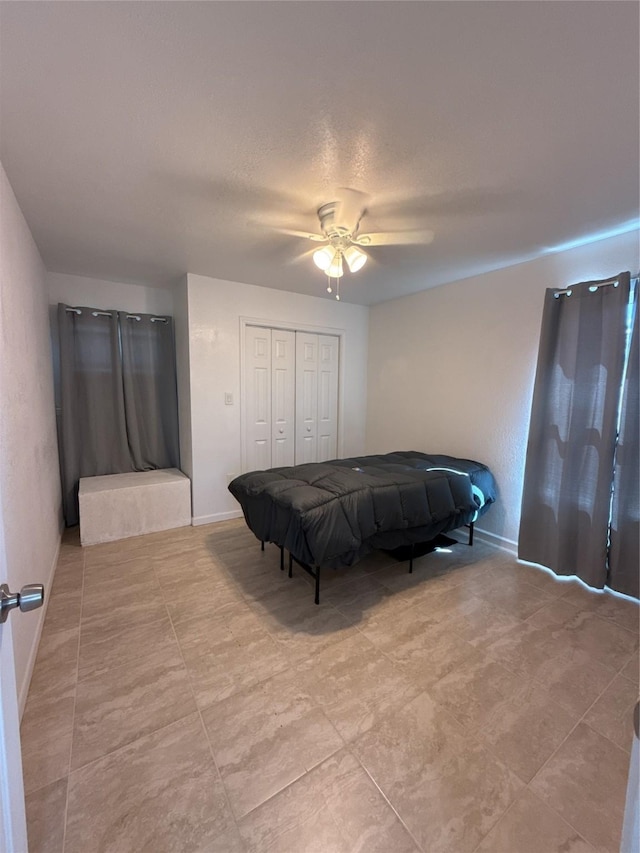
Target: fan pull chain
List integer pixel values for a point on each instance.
(329, 284)
(338, 289)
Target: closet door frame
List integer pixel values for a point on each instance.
(289, 327)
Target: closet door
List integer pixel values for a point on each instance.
(283, 408)
(306, 398)
(257, 418)
(328, 353)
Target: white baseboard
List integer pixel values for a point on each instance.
(42, 613)
(508, 545)
(217, 516)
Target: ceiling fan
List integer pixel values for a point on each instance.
(340, 226)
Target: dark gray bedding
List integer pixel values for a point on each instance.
(333, 513)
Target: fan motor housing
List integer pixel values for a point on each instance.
(335, 233)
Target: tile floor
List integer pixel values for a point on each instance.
(189, 696)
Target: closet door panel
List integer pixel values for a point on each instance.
(258, 397)
(283, 409)
(328, 356)
(306, 398)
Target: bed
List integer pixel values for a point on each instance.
(330, 514)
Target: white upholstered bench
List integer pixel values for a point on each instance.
(118, 506)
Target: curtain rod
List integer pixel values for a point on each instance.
(108, 314)
(593, 287)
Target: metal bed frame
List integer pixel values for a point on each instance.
(314, 571)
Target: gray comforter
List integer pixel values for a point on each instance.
(332, 513)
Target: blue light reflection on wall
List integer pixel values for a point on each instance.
(624, 228)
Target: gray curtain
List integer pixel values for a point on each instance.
(118, 396)
(624, 554)
(150, 394)
(572, 433)
(93, 436)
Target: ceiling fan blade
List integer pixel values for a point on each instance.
(350, 206)
(306, 235)
(394, 238)
(300, 258)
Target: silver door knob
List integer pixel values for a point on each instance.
(30, 597)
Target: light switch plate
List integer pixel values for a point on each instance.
(228, 399)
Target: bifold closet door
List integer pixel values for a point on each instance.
(283, 406)
(269, 398)
(316, 397)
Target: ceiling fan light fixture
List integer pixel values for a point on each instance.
(334, 270)
(323, 258)
(355, 258)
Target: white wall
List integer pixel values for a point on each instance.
(214, 311)
(29, 470)
(451, 369)
(183, 374)
(97, 293)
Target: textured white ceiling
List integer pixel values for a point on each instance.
(144, 140)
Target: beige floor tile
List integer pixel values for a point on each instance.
(475, 688)
(227, 652)
(56, 666)
(480, 622)
(524, 648)
(604, 640)
(531, 827)
(536, 576)
(445, 786)
(141, 609)
(45, 736)
(265, 737)
(377, 605)
(621, 611)
(125, 647)
(109, 577)
(573, 679)
(187, 569)
(112, 597)
(301, 627)
(524, 729)
(432, 574)
(46, 811)
(259, 579)
(348, 590)
(68, 577)
(355, 685)
(70, 552)
(161, 793)
(395, 621)
(425, 652)
(612, 714)
(124, 703)
(554, 615)
(631, 670)
(102, 558)
(585, 783)
(335, 808)
(198, 598)
(514, 596)
(63, 610)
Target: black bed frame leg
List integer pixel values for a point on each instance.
(282, 559)
(290, 565)
(262, 545)
(317, 598)
(471, 533)
(411, 560)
